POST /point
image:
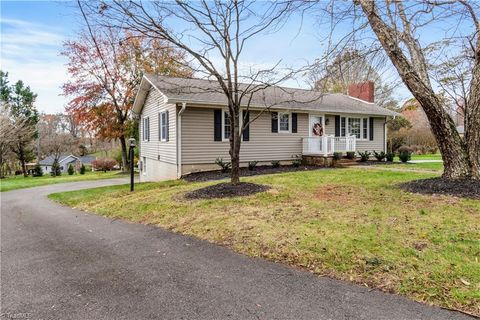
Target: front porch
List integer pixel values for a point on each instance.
(327, 145)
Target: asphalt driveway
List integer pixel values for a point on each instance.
(61, 263)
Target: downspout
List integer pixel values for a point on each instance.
(179, 139)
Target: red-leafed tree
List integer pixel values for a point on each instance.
(105, 66)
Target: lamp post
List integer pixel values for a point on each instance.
(131, 154)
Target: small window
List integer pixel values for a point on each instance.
(163, 126)
(144, 162)
(146, 129)
(283, 122)
(365, 128)
(226, 125)
(354, 127)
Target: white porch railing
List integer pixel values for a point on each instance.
(327, 145)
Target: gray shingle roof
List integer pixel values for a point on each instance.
(209, 92)
(48, 161)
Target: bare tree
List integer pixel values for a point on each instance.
(215, 34)
(337, 72)
(396, 27)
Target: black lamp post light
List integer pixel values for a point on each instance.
(131, 156)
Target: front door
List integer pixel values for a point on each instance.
(316, 131)
(316, 126)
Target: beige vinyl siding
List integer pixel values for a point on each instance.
(199, 147)
(378, 142)
(155, 149)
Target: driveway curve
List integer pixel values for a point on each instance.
(62, 263)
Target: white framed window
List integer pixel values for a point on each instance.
(284, 122)
(358, 127)
(226, 125)
(354, 127)
(163, 126)
(146, 129)
(144, 165)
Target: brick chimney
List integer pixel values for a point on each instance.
(364, 91)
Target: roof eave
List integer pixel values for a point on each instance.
(255, 107)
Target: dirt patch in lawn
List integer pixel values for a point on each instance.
(226, 190)
(334, 193)
(458, 188)
(245, 172)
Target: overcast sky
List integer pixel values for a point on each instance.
(32, 34)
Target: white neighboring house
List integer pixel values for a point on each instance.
(64, 161)
(184, 125)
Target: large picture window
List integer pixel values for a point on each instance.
(354, 127)
(284, 122)
(357, 127)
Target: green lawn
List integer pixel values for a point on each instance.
(436, 156)
(427, 166)
(351, 224)
(20, 182)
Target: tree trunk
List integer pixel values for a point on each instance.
(454, 154)
(235, 140)
(125, 164)
(472, 120)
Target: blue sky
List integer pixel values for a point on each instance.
(32, 33)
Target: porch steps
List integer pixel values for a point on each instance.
(343, 163)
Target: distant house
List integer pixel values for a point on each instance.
(185, 126)
(461, 130)
(65, 160)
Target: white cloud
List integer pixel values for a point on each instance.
(30, 52)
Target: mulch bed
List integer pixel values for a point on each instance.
(244, 172)
(458, 188)
(226, 190)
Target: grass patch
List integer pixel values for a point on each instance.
(436, 156)
(427, 166)
(20, 182)
(351, 224)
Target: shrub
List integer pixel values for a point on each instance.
(406, 148)
(70, 170)
(18, 172)
(56, 171)
(297, 161)
(337, 155)
(225, 166)
(252, 165)
(364, 156)
(380, 155)
(389, 156)
(405, 155)
(105, 164)
(275, 163)
(37, 171)
(82, 169)
(351, 155)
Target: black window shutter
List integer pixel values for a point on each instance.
(217, 125)
(274, 122)
(294, 122)
(337, 126)
(246, 131)
(148, 129)
(371, 129)
(160, 126)
(167, 126)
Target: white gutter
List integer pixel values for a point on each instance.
(179, 139)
